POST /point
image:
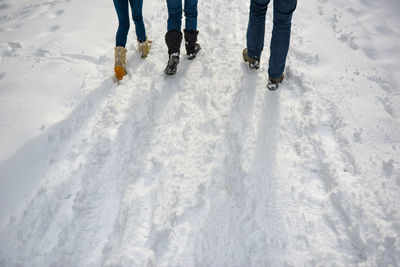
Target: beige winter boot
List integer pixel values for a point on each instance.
(144, 48)
(120, 62)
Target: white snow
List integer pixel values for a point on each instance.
(208, 167)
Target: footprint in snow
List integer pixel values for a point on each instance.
(4, 6)
(56, 14)
(55, 28)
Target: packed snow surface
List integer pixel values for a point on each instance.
(207, 167)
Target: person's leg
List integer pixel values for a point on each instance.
(283, 11)
(121, 7)
(190, 31)
(190, 15)
(173, 37)
(256, 28)
(137, 17)
(174, 15)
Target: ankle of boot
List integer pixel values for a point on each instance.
(173, 39)
(174, 55)
(120, 56)
(195, 32)
(190, 36)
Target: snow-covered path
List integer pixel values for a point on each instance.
(206, 168)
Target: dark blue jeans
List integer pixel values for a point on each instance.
(175, 14)
(122, 8)
(283, 11)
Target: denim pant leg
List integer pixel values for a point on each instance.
(190, 14)
(283, 11)
(256, 27)
(121, 6)
(174, 14)
(137, 17)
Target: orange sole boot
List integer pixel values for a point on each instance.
(119, 72)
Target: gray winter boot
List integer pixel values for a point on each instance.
(253, 62)
(273, 84)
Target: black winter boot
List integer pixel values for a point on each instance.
(192, 47)
(173, 39)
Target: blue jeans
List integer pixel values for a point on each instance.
(283, 11)
(122, 8)
(175, 14)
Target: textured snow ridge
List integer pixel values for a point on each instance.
(208, 167)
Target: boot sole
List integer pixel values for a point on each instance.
(251, 65)
(246, 59)
(119, 72)
(170, 72)
(193, 56)
(273, 84)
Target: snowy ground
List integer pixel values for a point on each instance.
(206, 168)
